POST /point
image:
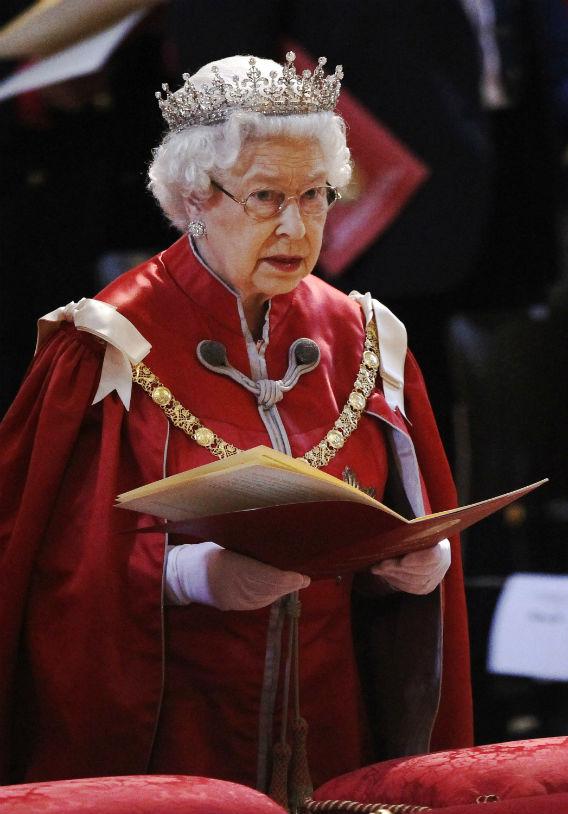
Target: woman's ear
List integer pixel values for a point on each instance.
(193, 208)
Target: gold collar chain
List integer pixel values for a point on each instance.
(319, 455)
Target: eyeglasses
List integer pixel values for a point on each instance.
(263, 204)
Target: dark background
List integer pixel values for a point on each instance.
(475, 264)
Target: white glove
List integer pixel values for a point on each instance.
(418, 572)
(211, 575)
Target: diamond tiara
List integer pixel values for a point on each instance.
(284, 95)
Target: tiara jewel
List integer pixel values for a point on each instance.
(272, 95)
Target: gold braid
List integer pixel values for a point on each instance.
(349, 807)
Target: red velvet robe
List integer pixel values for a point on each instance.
(81, 617)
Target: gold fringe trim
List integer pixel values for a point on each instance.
(340, 806)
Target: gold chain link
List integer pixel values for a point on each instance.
(320, 454)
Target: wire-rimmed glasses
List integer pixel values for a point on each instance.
(263, 204)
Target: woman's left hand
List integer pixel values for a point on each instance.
(416, 573)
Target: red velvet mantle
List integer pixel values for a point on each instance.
(80, 602)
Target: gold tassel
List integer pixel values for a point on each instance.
(300, 780)
(278, 790)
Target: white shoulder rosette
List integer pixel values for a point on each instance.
(125, 344)
(393, 345)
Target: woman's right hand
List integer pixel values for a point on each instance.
(211, 575)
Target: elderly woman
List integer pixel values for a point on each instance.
(127, 653)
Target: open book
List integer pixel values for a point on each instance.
(282, 511)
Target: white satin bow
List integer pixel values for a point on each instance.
(125, 344)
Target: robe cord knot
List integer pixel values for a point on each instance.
(303, 356)
(269, 392)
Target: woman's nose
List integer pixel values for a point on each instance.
(290, 221)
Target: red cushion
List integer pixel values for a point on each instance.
(155, 794)
(505, 770)
(547, 804)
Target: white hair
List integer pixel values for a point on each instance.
(185, 161)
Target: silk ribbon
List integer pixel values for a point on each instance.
(125, 344)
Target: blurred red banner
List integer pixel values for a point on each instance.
(386, 175)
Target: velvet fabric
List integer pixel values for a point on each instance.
(545, 804)
(156, 794)
(501, 771)
(161, 794)
(84, 636)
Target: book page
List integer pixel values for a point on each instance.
(255, 455)
(254, 478)
(260, 455)
(247, 486)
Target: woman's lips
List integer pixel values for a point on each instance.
(284, 262)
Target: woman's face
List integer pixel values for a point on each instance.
(264, 258)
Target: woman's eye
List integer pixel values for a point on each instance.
(265, 195)
(310, 194)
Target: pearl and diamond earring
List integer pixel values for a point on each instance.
(196, 228)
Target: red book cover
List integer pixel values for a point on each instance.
(279, 510)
